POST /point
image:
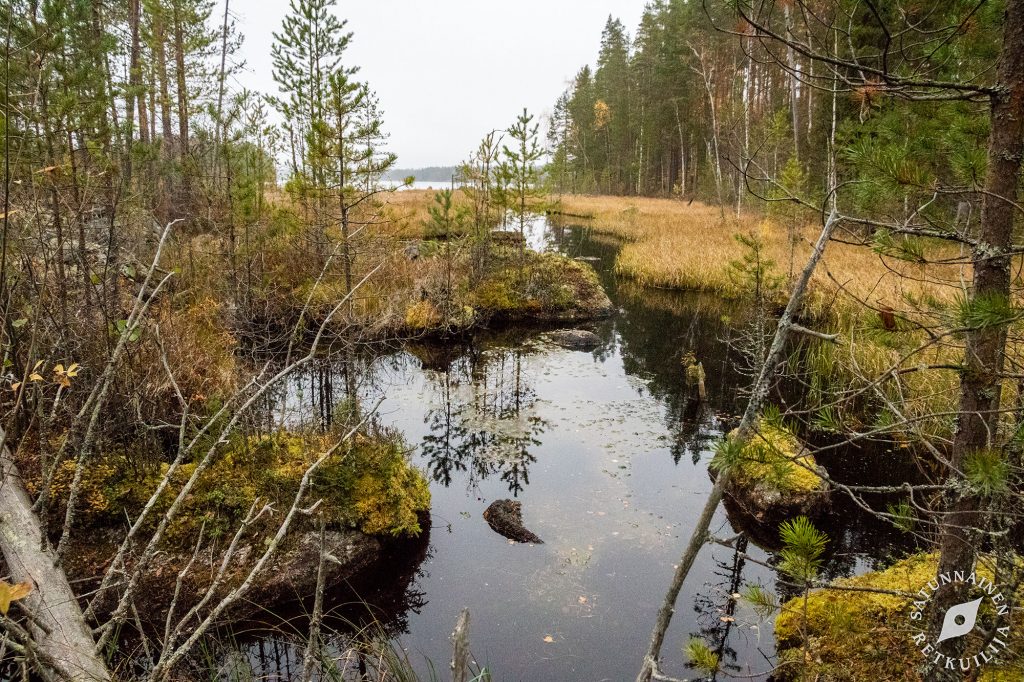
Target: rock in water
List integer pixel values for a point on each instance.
(575, 339)
(506, 518)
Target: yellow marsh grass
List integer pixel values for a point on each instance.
(671, 244)
(674, 245)
(406, 211)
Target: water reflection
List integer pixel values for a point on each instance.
(362, 619)
(717, 610)
(482, 419)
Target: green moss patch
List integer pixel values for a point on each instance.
(857, 635)
(542, 285)
(367, 484)
(775, 457)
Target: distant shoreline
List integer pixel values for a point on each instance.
(428, 174)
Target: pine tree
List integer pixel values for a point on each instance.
(306, 53)
(519, 166)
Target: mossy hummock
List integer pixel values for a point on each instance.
(776, 477)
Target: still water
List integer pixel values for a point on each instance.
(610, 464)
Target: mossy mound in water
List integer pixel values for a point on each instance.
(857, 635)
(506, 518)
(776, 477)
(515, 287)
(545, 286)
(367, 485)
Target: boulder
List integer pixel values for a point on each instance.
(575, 339)
(505, 517)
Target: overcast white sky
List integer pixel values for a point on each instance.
(448, 71)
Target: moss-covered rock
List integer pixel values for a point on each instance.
(863, 635)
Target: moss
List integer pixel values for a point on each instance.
(854, 635)
(389, 495)
(775, 456)
(542, 283)
(369, 485)
(422, 315)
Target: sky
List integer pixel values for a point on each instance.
(449, 71)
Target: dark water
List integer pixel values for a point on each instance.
(611, 467)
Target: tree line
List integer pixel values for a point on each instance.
(697, 103)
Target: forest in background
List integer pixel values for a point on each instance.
(697, 102)
(892, 133)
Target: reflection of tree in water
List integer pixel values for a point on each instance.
(483, 419)
(325, 394)
(694, 427)
(716, 608)
(656, 331)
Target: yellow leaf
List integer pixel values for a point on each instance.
(73, 370)
(58, 368)
(548, 639)
(10, 593)
(35, 376)
(16, 385)
(37, 366)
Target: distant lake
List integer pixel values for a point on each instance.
(423, 184)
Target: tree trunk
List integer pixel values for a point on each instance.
(794, 83)
(160, 48)
(135, 90)
(179, 67)
(980, 383)
(60, 631)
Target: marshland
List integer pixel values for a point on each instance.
(704, 365)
